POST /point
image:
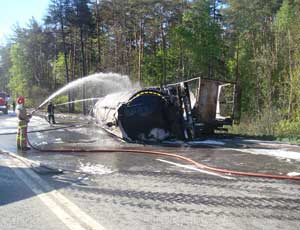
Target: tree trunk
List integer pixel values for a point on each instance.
(164, 67)
(73, 69)
(290, 77)
(141, 47)
(237, 91)
(98, 37)
(65, 57)
(84, 73)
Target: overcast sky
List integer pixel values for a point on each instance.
(19, 11)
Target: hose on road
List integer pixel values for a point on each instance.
(171, 155)
(47, 130)
(163, 154)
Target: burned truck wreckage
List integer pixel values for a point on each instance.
(183, 111)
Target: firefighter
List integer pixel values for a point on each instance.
(23, 118)
(14, 106)
(50, 110)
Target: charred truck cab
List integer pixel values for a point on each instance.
(185, 111)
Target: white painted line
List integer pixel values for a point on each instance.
(69, 221)
(195, 169)
(277, 153)
(77, 212)
(24, 160)
(54, 200)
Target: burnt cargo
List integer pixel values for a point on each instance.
(185, 111)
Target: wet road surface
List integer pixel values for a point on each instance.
(137, 191)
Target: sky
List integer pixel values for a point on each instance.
(19, 11)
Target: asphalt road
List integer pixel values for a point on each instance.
(136, 191)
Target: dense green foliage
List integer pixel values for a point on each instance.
(255, 43)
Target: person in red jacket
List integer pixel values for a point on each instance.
(23, 120)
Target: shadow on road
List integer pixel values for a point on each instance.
(15, 183)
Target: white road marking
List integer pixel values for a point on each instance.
(69, 221)
(278, 153)
(195, 169)
(293, 174)
(54, 200)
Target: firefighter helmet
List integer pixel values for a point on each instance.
(20, 100)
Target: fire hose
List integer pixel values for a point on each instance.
(171, 155)
(45, 130)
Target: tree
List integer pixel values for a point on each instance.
(5, 64)
(58, 13)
